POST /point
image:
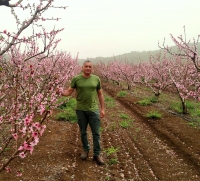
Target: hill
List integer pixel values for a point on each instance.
(133, 56)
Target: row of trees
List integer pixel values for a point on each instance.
(31, 69)
(178, 72)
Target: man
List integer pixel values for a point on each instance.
(88, 88)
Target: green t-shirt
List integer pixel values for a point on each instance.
(86, 92)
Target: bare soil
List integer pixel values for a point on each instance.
(165, 149)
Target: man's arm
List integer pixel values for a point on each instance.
(101, 100)
(67, 92)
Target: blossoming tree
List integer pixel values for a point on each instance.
(31, 69)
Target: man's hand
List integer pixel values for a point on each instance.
(102, 113)
(58, 91)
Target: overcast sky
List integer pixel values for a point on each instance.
(112, 27)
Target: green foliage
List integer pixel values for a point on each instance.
(176, 106)
(193, 108)
(101, 129)
(148, 101)
(125, 123)
(195, 123)
(124, 116)
(109, 102)
(113, 161)
(70, 103)
(142, 79)
(190, 105)
(153, 99)
(121, 94)
(111, 151)
(154, 115)
(144, 102)
(68, 111)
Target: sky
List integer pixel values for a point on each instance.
(106, 28)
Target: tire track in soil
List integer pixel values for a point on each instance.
(171, 147)
(174, 141)
(129, 158)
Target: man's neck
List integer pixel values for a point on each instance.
(86, 75)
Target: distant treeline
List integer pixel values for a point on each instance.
(133, 56)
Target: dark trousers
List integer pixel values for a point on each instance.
(93, 119)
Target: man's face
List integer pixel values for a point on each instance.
(87, 68)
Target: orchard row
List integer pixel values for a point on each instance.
(161, 72)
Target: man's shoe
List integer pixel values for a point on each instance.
(84, 155)
(98, 160)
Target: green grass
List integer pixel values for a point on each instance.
(110, 151)
(144, 102)
(125, 123)
(148, 101)
(113, 161)
(123, 116)
(176, 106)
(121, 94)
(154, 115)
(193, 108)
(67, 112)
(109, 102)
(101, 129)
(153, 99)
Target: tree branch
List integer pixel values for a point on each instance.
(23, 27)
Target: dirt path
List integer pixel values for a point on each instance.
(147, 150)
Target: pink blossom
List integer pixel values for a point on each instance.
(22, 155)
(21, 148)
(27, 120)
(19, 173)
(8, 169)
(30, 148)
(42, 129)
(15, 136)
(26, 146)
(36, 125)
(35, 141)
(42, 109)
(34, 134)
(23, 130)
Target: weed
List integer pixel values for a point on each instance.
(176, 106)
(153, 99)
(124, 124)
(111, 150)
(124, 116)
(68, 111)
(153, 115)
(113, 161)
(107, 177)
(110, 102)
(101, 129)
(121, 94)
(190, 105)
(144, 102)
(148, 101)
